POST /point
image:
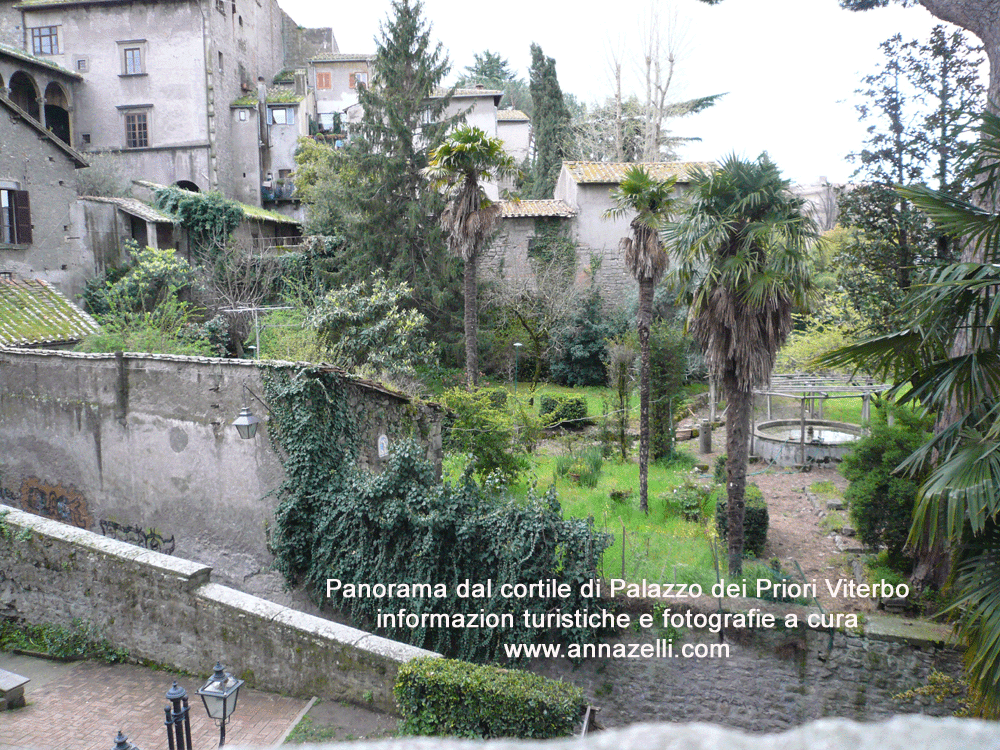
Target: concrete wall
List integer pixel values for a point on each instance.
(30, 162)
(142, 448)
(167, 610)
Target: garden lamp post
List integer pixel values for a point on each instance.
(219, 695)
(178, 720)
(122, 743)
(517, 352)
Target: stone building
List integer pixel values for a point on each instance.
(37, 193)
(155, 81)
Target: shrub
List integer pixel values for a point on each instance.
(582, 341)
(79, 641)
(719, 473)
(445, 697)
(755, 520)
(475, 426)
(668, 364)
(881, 502)
(690, 501)
(557, 410)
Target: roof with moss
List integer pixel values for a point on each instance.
(274, 96)
(41, 62)
(34, 313)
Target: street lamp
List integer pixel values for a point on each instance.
(178, 719)
(246, 423)
(517, 352)
(220, 694)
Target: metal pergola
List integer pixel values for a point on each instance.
(810, 388)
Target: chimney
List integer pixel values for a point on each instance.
(300, 82)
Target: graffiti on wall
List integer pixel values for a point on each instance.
(54, 501)
(151, 539)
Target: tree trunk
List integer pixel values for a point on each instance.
(644, 320)
(738, 404)
(470, 289)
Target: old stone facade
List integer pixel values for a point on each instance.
(141, 447)
(37, 192)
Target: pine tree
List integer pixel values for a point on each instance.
(550, 120)
(389, 212)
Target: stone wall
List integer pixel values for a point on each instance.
(167, 610)
(140, 448)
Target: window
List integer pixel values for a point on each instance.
(133, 61)
(221, 65)
(132, 54)
(359, 79)
(15, 217)
(45, 40)
(280, 115)
(82, 64)
(220, 5)
(324, 80)
(136, 130)
(85, 139)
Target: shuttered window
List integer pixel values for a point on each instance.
(15, 217)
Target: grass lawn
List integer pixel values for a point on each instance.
(662, 546)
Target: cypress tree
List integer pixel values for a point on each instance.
(551, 120)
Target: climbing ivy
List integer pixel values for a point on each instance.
(209, 218)
(404, 526)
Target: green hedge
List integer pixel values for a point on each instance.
(554, 410)
(456, 698)
(755, 520)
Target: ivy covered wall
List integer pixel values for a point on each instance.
(140, 448)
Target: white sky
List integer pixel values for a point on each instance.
(790, 66)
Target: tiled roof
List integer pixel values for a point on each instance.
(33, 313)
(250, 212)
(614, 172)
(441, 92)
(20, 54)
(511, 115)
(520, 209)
(342, 57)
(132, 206)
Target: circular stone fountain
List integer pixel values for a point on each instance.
(780, 441)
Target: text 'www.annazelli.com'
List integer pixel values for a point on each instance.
(662, 648)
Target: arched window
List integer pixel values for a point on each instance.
(24, 93)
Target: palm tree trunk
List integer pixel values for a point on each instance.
(470, 289)
(738, 405)
(644, 320)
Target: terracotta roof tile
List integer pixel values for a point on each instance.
(34, 313)
(520, 209)
(511, 115)
(614, 172)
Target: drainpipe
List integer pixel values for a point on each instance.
(213, 156)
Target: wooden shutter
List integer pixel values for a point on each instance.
(22, 217)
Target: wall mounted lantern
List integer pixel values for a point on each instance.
(246, 423)
(220, 694)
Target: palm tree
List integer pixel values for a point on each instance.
(741, 248)
(467, 156)
(948, 359)
(651, 201)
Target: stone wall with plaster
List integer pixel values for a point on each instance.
(140, 448)
(167, 610)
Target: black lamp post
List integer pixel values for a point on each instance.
(178, 720)
(219, 695)
(122, 743)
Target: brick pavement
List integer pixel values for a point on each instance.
(85, 706)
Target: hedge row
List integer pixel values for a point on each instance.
(554, 410)
(456, 698)
(755, 520)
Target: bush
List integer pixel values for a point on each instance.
(719, 472)
(557, 410)
(690, 501)
(881, 502)
(581, 343)
(668, 364)
(475, 426)
(755, 520)
(445, 697)
(79, 641)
